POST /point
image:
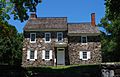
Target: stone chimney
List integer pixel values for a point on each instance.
(93, 19)
(33, 15)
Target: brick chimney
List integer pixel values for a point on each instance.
(93, 19)
(33, 15)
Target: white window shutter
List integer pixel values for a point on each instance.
(81, 55)
(50, 54)
(43, 54)
(28, 54)
(35, 53)
(88, 55)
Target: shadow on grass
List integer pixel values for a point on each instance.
(60, 71)
(74, 71)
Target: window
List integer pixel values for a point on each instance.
(84, 39)
(85, 55)
(32, 54)
(47, 54)
(47, 37)
(59, 36)
(32, 37)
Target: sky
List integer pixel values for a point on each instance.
(75, 11)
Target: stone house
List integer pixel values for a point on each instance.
(50, 41)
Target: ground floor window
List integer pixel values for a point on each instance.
(47, 54)
(31, 54)
(84, 55)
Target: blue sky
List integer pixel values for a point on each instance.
(75, 10)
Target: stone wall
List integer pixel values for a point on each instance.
(39, 46)
(71, 51)
(75, 46)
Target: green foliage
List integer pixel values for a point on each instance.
(10, 45)
(112, 9)
(18, 8)
(111, 22)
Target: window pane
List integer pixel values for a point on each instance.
(32, 37)
(47, 55)
(31, 54)
(84, 40)
(47, 36)
(84, 55)
(60, 37)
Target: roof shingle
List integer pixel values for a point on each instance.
(82, 28)
(46, 23)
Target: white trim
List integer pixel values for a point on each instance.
(61, 36)
(50, 54)
(28, 54)
(43, 54)
(35, 54)
(81, 55)
(31, 36)
(82, 40)
(88, 55)
(49, 36)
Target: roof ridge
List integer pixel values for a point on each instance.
(79, 22)
(51, 17)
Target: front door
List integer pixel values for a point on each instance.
(60, 56)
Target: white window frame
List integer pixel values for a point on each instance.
(28, 55)
(45, 38)
(82, 40)
(61, 36)
(88, 55)
(43, 54)
(31, 37)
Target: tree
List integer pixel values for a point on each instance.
(10, 39)
(10, 46)
(112, 9)
(18, 8)
(111, 22)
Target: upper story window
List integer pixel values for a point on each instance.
(85, 55)
(47, 37)
(32, 37)
(84, 39)
(59, 36)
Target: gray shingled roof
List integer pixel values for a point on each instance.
(46, 23)
(82, 28)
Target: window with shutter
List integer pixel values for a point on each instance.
(84, 55)
(32, 54)
(47, 54)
